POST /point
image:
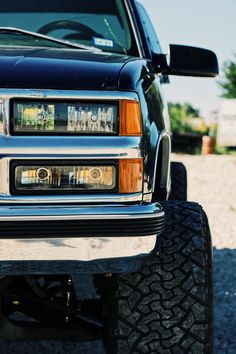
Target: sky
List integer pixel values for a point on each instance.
(202, 23)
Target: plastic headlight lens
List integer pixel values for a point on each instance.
(65, 118)
(130, 175)
(130, 118)
(65, 178)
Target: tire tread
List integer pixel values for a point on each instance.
(167, 306)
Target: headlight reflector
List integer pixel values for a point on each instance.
(49, 178)
(31, 117)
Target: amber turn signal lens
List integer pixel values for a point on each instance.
(130, 175)
(130, 118)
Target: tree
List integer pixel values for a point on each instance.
(181, 116)
(228, 83)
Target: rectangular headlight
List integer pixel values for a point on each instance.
(37, 117)
(49, 178)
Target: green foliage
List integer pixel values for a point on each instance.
(181, 116)
(222, 150)
(228, 84)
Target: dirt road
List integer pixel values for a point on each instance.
(212, 183)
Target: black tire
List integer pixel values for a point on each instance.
(167, 307)
(178, 181)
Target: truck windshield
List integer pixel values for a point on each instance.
(102, 24)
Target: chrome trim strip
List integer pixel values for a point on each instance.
(69, 199)
(68, 94)
(74, 249)
(82, 147)
(7, 94)
(94, 212)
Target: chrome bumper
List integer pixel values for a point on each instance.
(53, 234)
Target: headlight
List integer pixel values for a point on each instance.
(94, 118)
(32, 117)
(49, 178)
(124, 176)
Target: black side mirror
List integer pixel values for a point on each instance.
(192, 61)
(187, 61)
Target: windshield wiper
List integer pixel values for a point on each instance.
(69, 44)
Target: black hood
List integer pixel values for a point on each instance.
(63, 69)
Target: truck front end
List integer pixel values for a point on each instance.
(71, 186)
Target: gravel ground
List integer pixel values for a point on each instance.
(212, 183)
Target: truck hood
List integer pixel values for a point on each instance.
(64, 69)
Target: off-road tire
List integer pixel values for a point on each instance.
(167, 307)
(178, 181)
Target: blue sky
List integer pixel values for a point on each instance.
(204, 23)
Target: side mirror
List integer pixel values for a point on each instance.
(192, 61)
(187, 61)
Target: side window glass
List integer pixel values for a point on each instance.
(149, 29)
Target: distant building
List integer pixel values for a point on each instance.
(226, 133)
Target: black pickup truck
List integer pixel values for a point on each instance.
(96, 236)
